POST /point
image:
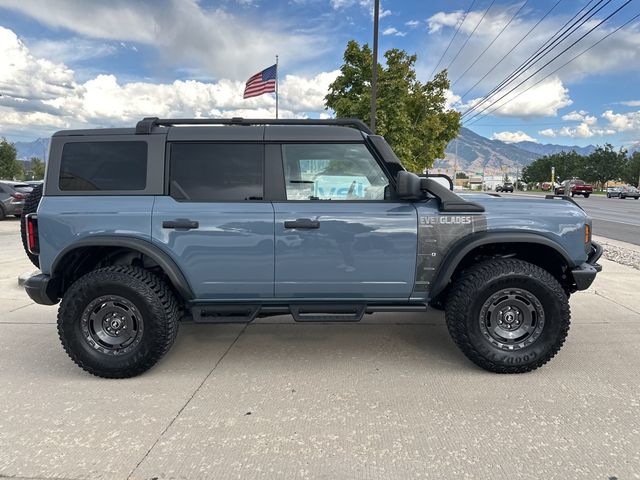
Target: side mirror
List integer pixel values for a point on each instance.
(409, 186)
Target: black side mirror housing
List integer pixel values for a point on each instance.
(409, 186)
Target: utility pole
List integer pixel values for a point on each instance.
(374, 72)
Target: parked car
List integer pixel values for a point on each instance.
(12, 196)
(508, 187)
(141, 227)
(498, 188)
(574, 187)
(629, 191)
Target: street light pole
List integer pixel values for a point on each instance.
(374, 72)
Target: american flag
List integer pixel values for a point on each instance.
(261, 82)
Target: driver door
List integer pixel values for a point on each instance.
(337, 235)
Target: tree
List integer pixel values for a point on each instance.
(37, 168)
(462, 175)
(604, 164)
(567, 165)
(411, 115)
(631, 172)
(10, 167)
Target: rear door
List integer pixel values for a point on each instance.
(215, 222)
(338, 236)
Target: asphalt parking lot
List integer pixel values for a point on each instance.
(612, 217)
(388, 398)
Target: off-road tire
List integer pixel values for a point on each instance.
(477, 285)
(150, 295)
(30, 206)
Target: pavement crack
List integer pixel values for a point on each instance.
(617, 303)
(195, 392)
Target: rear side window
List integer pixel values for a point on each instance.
(216, 172)
(96, 166)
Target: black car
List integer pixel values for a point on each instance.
(507, 187)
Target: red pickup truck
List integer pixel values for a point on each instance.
(575, 186)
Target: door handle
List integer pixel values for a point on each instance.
(302, 223)
(181, 224)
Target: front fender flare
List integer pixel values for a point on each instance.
(459, 250)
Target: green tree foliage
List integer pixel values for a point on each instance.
(411, 115)
(631, 172)
(10, 167)
(603, 164)
(37, 168)
(462, 175)
(565, 163)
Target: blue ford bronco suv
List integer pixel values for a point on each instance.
(230, 220)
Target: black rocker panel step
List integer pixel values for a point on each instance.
(327, 313)
(224, 313)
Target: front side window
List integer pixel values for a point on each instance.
(97, 166)
(332, 172)
(216, 172)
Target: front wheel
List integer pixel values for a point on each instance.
(508, 315)
(118, 321)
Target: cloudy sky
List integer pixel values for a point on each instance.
(86, 63)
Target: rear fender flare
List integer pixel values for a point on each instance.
(145, 247)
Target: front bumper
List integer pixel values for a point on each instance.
(585, 274)
(42, 289)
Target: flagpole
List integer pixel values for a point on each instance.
(277, 86)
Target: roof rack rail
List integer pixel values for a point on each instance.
(146, 124)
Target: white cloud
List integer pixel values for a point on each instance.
(73, 49)
(545, 99)
(393, 31)
(443, 19)
(547, 132)
(631, 103)
(412, 23)
(618, 53)
(212, 39)
(512, 137)
(42, 96)
(581, 116)
(368, 4)
(623, 122)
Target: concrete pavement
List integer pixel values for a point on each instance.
(388, 398)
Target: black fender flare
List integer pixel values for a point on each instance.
(460, 249)
(145, 247)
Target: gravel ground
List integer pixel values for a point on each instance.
(625, 255)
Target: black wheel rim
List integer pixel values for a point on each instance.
(512, 319)
(112, 325)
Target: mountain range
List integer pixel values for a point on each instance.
(470, 152)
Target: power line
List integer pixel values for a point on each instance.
(550, 61)
(512, 48)
(471, 34)
(464, 17)
(490, 44)
(543, 50)
(563, 65)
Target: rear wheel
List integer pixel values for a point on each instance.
(3, 215)
(586, 195)
(30, 206)
(118, 321)
(508, 316)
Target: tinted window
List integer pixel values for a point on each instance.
(332, 172)
(214, 172)
(90, 166)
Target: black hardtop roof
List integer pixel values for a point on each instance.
(239, 129)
